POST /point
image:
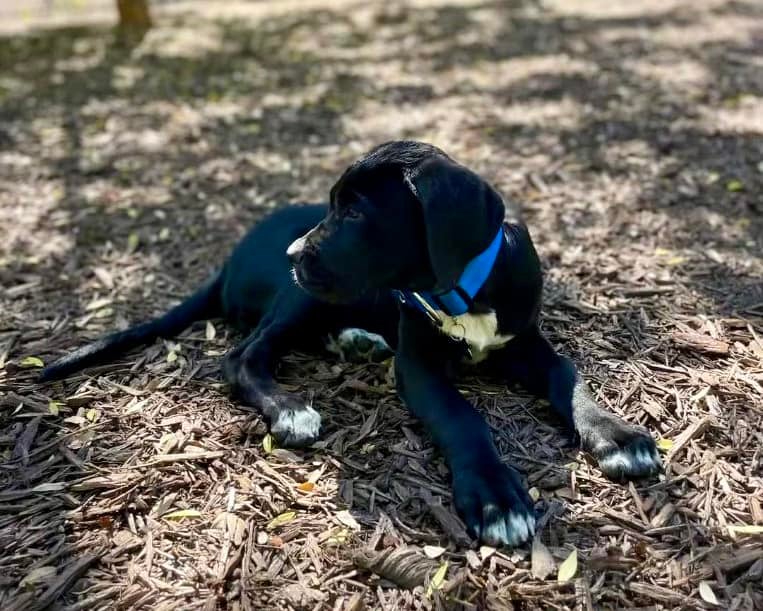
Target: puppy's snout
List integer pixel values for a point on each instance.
(296, 250)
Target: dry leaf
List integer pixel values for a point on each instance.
(568, 568)
(433, 551)
(437, 579)
(345, 518)
(542, 562)
(132, 241)
(473, 559)
(404, 566)
(32, 361)
(50, 487)
(38, 575)
(306, 486)
(167, 443)
(105, 278)
(98, 303)
(285, 455)
(281, 519)
(267, 443)
(734, 185)
(665, 444)
(182, 513)
(91, 414)
(707, 594)
(745, 529)
(334, 536)
(211, 332)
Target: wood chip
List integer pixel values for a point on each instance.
(406, 566)
(701, 343)
(693, 431)
(122, 172)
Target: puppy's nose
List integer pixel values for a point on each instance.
(296, 250)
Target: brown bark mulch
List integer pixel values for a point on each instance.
(632, 135)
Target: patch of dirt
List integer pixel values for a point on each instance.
(631, 134)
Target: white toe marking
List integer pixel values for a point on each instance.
(518, 528)
(521, 527)
(348, 342)
(350, 337)
(645, 458)
(511, 529)
(530, 519)
(618, 459)
(298, 423)
(630, 460)
(307, 418)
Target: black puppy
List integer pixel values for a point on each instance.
(414, 247)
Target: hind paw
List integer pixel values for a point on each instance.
(295, 426)
(623, 451)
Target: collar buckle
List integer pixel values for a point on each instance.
(426, 308)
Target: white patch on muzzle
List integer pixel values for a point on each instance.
(297, 246)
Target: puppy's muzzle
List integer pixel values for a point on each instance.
(296, 250)
(307, 270)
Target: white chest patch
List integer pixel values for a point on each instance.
(480, 331)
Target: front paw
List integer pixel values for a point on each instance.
(623, 451)
(293, 423)
(494, 504)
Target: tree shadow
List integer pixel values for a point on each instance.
(157, 158)
(157, 165)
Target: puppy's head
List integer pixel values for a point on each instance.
(405, 216)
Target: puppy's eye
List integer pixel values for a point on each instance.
(352, 214)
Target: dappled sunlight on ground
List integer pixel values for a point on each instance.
(630, 133)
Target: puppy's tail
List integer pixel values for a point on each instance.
(204, 303)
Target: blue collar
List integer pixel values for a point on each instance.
(459, 299)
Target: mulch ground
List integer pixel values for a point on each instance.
(632, 135)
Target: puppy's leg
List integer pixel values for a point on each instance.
(623, 451)
(250, 367)
(488, 494)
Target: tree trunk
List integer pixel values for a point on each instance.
(133, 14)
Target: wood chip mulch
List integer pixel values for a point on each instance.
(630, 132)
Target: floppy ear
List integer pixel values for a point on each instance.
(462, 214)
